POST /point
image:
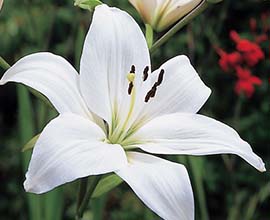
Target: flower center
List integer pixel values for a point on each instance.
(121, 130)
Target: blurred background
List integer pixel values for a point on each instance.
(225, 186)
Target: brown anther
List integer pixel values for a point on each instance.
(153, 91)
(130, 87)
(148, 96)
(145, 73)
(160, 77)
(132, 70)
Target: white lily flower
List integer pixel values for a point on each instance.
(161, 14)
(154, 112)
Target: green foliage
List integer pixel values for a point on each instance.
(87, 4)
(30, 144)
(106, 184)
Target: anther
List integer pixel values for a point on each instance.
(130, 87)
(148, 96)
(132, 70)
(160, 77)
(145, 73)
(153, 90)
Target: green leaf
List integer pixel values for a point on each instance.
(149, 35)
(87, 4)
(106, 184)
(41, 97)
(30, 145)
(26, 130)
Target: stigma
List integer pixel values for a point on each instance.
(131, 78)
(152, 92)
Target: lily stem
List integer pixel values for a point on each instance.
(184, 21)
(82, 192)
(87, 196)
(4, 64)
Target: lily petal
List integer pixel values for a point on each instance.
(70, 147)
(194, 134)
(176, 10)
(107, 57)
(52, 76)
(162, 185)
(181, 90)
(146, 9)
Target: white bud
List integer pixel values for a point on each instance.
(1, 3)
(161, 14)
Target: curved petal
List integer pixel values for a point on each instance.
(146, 9)
(70, 147)
(181, 90)
(52, 76)
(162, 185)
(194, 134)
(113, 44)
(176, 10)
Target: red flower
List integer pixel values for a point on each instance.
(228, 61)
(246, 82)
(251, 52)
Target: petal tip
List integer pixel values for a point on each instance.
(261, 167)
(27, 186)
(32, 188)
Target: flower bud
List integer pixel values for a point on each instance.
(1, 3)
(161, 14)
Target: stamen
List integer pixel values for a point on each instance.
(148, 96)
(130, 87)
(132, 70)
(160, 77)
(145, 73)
(152, 92)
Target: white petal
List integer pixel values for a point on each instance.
(176, 10)
(194, 134)
(52, 76)
(146, 9)
(70, 147)
(113, 44)
(182, 90)
(162, 185)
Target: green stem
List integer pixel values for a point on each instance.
(4, 63)
(149, 34)
(82, 192)
(237, 111)
(184, 21)
(196, 168)
(87, 197)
